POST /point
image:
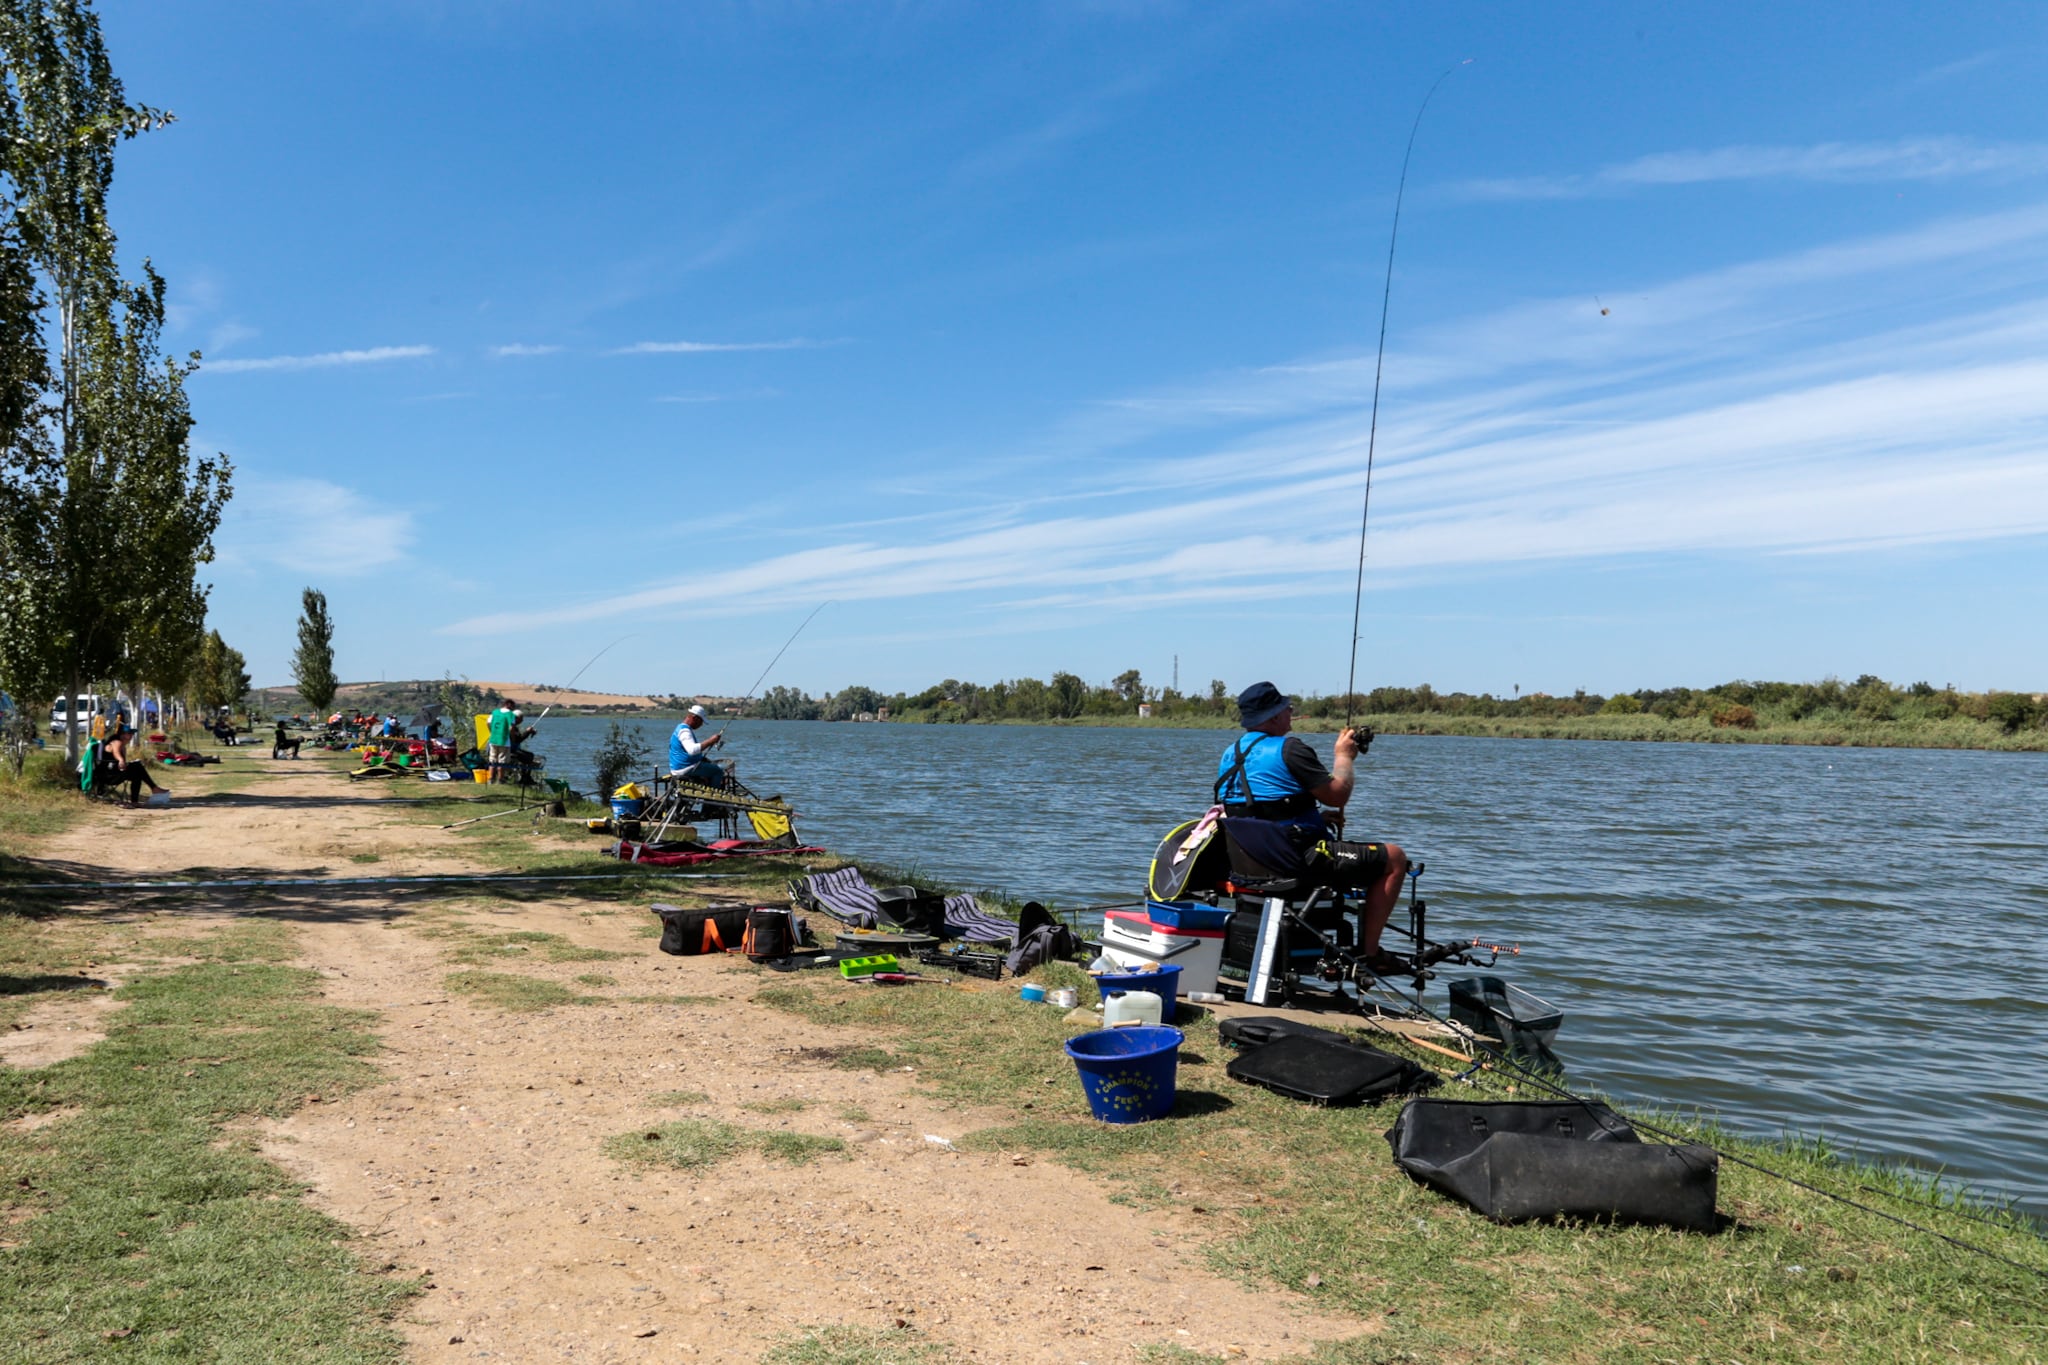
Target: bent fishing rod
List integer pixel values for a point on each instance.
(1378, 369)
(571, 684)
(771, 665)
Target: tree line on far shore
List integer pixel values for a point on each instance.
(1740, 704)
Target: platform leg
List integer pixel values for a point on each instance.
(1260, 987)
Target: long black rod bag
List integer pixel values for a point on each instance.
(711, 929)
(1564, 1159)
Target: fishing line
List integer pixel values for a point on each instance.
(1378, 368)
(772, 662)
(373, 881)
(571, 684)
(1540, 1080)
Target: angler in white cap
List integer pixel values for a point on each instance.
(689, 758)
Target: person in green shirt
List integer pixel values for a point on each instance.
(500, 756)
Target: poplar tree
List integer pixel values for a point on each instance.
(105, 520)
(313, 663)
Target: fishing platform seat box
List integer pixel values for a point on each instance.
(1515, 1162)
(709, 929)
(1327, 1070)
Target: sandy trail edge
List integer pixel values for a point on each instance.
(478, 1159)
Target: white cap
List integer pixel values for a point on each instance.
(699, 712)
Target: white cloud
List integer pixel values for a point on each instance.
(1919, 158)
(325, 360)
(521, 349)
(1828, 400)
(706, 347)
(309, 526)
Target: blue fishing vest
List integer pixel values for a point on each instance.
(676, 757)
(1264, 770)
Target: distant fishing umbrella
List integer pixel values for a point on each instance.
(1379, 368)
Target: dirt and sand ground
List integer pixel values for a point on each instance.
(477, 1160)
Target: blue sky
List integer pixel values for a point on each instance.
(1042, 337)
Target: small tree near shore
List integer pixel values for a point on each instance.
(313, 662)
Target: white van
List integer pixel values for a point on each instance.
(60, 717)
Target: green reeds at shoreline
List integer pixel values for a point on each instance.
(1953, 733)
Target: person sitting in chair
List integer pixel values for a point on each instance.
(282, 744)
(125, 767)
(689, 758)
(1278, 786)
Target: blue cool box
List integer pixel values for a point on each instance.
(1186, 914)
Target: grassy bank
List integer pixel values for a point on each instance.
(136, 1218)
(1834, 732)
(1309, 1199)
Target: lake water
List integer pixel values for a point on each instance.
(1822, 941)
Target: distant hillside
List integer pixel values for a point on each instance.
(407, 696)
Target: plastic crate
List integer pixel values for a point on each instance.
(1187, 914)
(868, 966)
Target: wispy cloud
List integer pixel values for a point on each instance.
(1751, 411)
(374, 355)
(1922, 158)
(310, 526)
(717, 397)
(707, 347)
(521, 348)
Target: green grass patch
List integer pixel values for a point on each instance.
(791, 1105)
(853, 1113)
(479, 949)
(519, 994)
(677, 1099)
(690, 1144)
(1309, 1199)
(138, 1230)
(857, 1346)
(595, 979)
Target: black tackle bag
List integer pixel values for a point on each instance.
(1565, 1159)
(711, 929)
(1321, 1067)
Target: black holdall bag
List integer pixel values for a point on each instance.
(1516, 1161)
(709, 929)
(771, 934)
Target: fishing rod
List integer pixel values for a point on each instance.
(1378, 368)
(771, 664)
(570, 686)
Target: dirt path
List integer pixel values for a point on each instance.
(478, 1161)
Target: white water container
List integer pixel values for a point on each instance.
(1125, 1009)
(1131, 938)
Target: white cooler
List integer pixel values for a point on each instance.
(1131, 938)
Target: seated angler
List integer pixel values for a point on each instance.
(119, 759)
(283, 744)
(1273, 780)
(689, 757)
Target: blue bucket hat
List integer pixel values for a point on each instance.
(1259, 703)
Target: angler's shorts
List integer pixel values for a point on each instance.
(501, 756)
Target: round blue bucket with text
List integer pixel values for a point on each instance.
(1164, 983)
(1128, 1073)
(627, 808)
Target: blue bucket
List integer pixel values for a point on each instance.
(1164, 983)
(1128, 1073)
(627, 808)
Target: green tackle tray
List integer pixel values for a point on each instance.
(868, 966)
